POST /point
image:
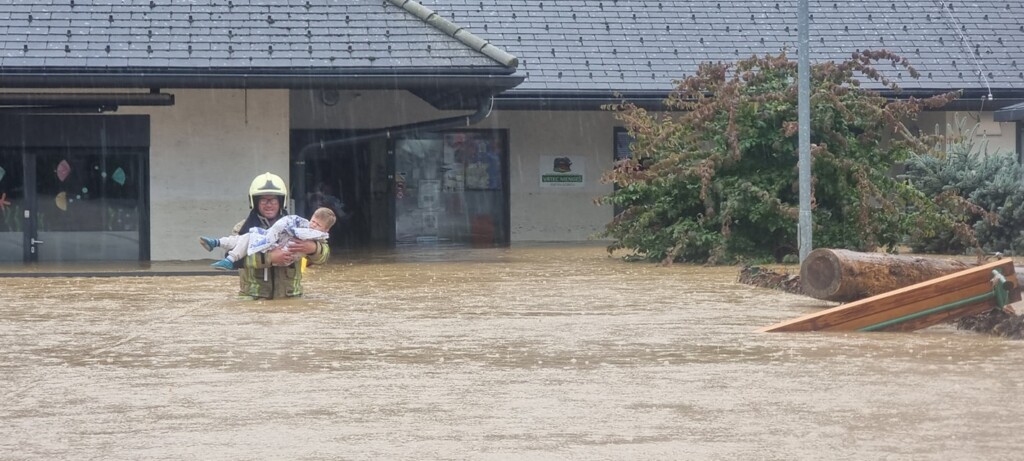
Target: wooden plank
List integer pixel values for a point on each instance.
(901, 310)
(908, 300)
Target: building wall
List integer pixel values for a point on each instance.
(542, 213)
(990, 134)
(207, 147)
(205, 150)
(358, 110)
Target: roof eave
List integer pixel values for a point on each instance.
(406, 79)
(970, 99)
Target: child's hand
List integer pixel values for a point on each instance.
(301, 247)
(281, 257)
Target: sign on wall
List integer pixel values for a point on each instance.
(562, 171)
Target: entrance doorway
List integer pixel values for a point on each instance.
(74, 188)
(447, 187)
(352, 179)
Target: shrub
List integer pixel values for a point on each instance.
(991, 184)
(714, 178)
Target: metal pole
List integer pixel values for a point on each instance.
(804, 125)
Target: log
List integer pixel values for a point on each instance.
(843, 275)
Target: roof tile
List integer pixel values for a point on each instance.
(249, 26)
(680, 34)
(640, 45)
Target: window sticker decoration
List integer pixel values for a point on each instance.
(63, 170)
(118, 176)
(3, 200)
(2, 173)
(61, 200)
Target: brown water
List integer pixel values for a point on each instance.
(523, 353)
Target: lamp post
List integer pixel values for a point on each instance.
(804, 125)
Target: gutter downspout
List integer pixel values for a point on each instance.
(483, 111)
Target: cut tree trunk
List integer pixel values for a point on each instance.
(843, 275)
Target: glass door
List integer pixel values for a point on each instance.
(451, 187)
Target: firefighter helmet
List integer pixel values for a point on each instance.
(268, 184)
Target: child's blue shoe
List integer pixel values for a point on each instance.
(208, 243)
(224, 265)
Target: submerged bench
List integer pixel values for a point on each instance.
(968, 292)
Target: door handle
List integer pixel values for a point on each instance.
(34, 241)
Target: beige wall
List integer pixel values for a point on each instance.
(556, 214)
(205, 150)
(999, 136)
(361, 110)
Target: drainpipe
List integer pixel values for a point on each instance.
(483, 111)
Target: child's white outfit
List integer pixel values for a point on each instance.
(258, 240)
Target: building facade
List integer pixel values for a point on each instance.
(129, 128)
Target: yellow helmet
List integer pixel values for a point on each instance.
(268, 184)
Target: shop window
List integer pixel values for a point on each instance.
(73, 188)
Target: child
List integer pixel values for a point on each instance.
(259, 240)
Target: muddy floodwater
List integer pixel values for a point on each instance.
(539, 352)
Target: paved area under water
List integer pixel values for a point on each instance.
(520, 353)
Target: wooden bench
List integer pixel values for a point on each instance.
(946, 298)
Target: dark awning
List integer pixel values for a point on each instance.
(1010, 113)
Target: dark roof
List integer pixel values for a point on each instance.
(240, 43)
(639, 46)
(571, 49)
